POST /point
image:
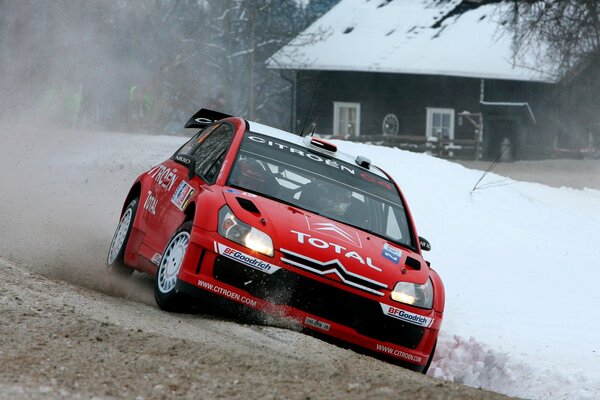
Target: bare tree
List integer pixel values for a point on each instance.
(244, 34)
(561, 34)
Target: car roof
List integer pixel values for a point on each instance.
(300, 141)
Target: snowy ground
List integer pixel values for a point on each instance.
(519, 260)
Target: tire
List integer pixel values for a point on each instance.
(424, 372)
(166, 293)
(116, 252)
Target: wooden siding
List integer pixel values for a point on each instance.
(408, 97)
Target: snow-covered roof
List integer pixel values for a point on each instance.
(398, 36)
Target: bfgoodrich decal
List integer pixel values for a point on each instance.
(406, 316)
(246, 259)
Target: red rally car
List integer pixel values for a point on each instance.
(286, 225)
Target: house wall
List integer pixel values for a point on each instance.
(408, 96)
(580, 104)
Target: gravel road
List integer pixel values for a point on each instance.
(70, 330)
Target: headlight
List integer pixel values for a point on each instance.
(413, 294)
(235, 230)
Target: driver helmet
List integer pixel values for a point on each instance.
(336, 199)
(250, 174)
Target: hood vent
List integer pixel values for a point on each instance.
(413, 263)
(248, 205)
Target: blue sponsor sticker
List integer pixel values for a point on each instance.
(232, 191)
(391, 253)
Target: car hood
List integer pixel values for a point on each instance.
(327, 247)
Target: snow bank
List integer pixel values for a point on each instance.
(520, 262)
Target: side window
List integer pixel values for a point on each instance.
(210, 153)
(346, 119)
(189, 147)
(440, 123)
(397, 225)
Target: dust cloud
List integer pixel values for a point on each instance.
(58, 210)
(60, 64)
(65, 72)
(114, 66)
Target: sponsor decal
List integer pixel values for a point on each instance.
(165, 177)
(406, 316)
(370, 177)
(246, 259)
(334, 231)
(391, 253)
(235, 191)
(398, 353)
(156, 259)
(150, 203)
(182, 195)
(226, 293)
(302, 153)
(183, 159)
(317, 324)
(304, 238)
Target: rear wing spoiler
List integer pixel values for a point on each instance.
(204, 117)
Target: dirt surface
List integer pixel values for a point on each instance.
(60, 340)
(70, 330)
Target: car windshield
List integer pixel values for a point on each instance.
(326, 186)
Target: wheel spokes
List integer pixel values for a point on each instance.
(171, 262)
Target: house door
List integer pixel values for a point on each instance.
(502, 139)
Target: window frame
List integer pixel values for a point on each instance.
(287, 194)
(337, 105)
(429, 122)
(199, 140)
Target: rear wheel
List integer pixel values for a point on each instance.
(116, 252)
(166, 294)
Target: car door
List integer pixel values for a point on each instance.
(174, 192)
(158, 215)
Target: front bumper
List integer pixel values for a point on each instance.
(321, 305)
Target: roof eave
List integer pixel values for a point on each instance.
(458, 74)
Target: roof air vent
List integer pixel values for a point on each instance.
(363, 162)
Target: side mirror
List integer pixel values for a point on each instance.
(425, 245)
(189, 162)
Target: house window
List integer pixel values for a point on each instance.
(440, 123)
(346, 119)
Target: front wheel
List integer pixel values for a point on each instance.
(166, 294)
(116, 252)
(430, 358)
